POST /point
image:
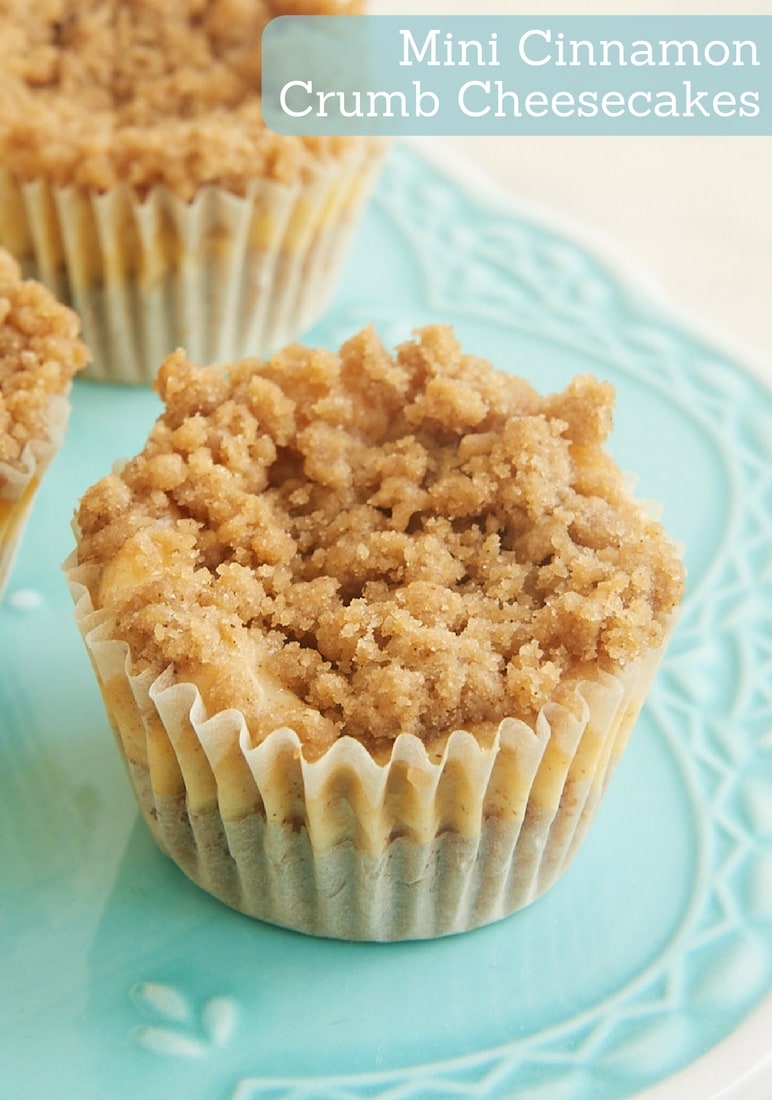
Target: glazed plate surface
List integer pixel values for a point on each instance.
(646, 971)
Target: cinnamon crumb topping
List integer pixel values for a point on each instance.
(360, 543)
(98, 92)
(39, 354)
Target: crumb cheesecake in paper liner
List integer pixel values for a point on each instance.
(145, 190)
(221, 275)
(19, 484)
(350, 848)
(371, 659)
(40, 352)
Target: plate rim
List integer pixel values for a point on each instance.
(747, 1049)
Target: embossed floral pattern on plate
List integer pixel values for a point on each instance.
(121, 979)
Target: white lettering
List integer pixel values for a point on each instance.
(536, 104)
(738, 55)
(429, 46)
(646, 97)
(612, 52)
(613, 104)
(588, 105)
(464, 52)
(643, 53)
(680, 49)
(462, 93)
(546, 36)
(724, 105)
(577, 45)
(307, 86)
(694, 100)
(563, 104)
(323, 99)
(464, 49)
(666, 105)
(612, 45)
(724, 53)
(420, 95)
(749, 104)
(507, 97)
(387, 98)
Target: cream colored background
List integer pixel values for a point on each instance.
(696, 211)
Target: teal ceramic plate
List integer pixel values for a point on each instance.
(648, 966)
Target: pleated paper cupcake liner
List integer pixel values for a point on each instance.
(19, 485)
(347, 847)
(222, 276)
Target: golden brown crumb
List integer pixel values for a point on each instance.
(98, 92)
(39, 354)
(358, 543)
